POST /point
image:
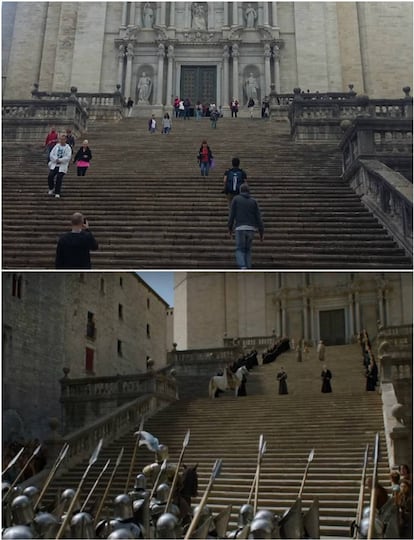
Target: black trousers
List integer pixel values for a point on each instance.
(82, 171)
(59, 179)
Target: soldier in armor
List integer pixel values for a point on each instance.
(124, 517)
(46, 525)
(246, 513)
(273, 520)
(151, 471)
(167, 526)
(18, 532)
(140, 503)
(81, 526)
(260, 528)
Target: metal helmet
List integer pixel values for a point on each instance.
(205, 512)
(133, 529)
(260, 528)
(66, 499)
(162, 452)
(31, 492)
(81, 526)
(121, 534)
(366, 511)
(46, 525)
(245, 515)
(5, 486)
(16, 492)
(140, 481)
(166, 526)
(123, 506)
(22, 510)
(162, 493)
(18, 532)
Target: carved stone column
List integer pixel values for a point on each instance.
(240, 20)
(265, 13)
(267, 55)
(161, 55)
(226, 14)
(169, 97)
(235, 55)
(124, 13)
(274, 13)
(235, 14)
(351, 314)
(226, 55)
(260, 14)
(121, 55)
(163, 10)
(276, 56)
(139, 14)
(172, 14)
(128, 75)
(187, 15)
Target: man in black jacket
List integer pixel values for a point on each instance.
(73, 249)
(245, 218)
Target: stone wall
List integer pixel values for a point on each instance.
(45, 330)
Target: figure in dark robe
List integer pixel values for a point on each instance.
(282, 378)
(242, 388)
(326, 377)
(372, 376)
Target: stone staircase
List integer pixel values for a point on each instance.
(150, 209)
(338, 426)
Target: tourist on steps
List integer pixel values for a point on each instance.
(205, 158)
(166, 124)
(51, 139)
(58, 165)
(73, 249)
(233, 179)
(245, 219)
(82, 158)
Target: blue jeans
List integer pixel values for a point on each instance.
(204, 168)
(244, 241)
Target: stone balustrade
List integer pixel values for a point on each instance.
(396, 374)
(202, 361)
(85, 399)
(250, 343)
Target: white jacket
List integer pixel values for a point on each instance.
(64, 154)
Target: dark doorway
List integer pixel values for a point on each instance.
(332, 326)
(199, 83)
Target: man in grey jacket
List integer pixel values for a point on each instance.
(245, 219)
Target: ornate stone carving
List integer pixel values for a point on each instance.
(148, 17)
(144, 88)
(198, 16)
(250, 16)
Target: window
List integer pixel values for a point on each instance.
(148, 303)
(120, 311)
(90, 326)
(102, 286)
(17, 286)
(89, 358)
(121, 282)
(148, 331)
(119, 346)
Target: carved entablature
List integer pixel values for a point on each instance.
(197, 37)
(269, 34)
(161, 34)
(235, 33)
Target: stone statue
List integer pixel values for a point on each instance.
(144, 88)
(250, 16)
(199, 17)
(148, 16)
(251, 87)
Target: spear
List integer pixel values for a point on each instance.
(131, 467)
(34, 454)
(310, 459)
(98, 512)
(13, 460)
(373, 502)
(361, 494)
(157, 480)
(94, 486)
(214, 474)
(180, 459)
(255, 474)
(262, 450)
(68, 514)
(53, 470)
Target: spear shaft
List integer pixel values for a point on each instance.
(180, 459)
(361, 494)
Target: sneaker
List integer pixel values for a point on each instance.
(57, 196)
(51, 192)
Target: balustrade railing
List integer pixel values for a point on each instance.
(200, 361)
(250, 342)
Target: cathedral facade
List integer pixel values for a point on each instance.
(333, 306)
(210, 52)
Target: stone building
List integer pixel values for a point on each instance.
(311, 305)
(95, 324)
(207, 51)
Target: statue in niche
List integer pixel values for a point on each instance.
(144, 88)
(199, 17)
(252, 88)
(148, 16)
(250, 15)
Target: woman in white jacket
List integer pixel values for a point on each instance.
(58, 164)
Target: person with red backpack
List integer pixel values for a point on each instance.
(205, 157)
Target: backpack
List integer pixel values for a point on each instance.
(234, 180)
